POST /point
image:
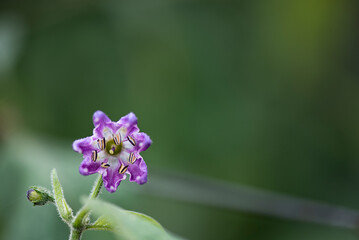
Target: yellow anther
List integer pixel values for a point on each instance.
(105, 165)
(122, 169)
(132, 140)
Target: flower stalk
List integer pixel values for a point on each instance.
(80, 217)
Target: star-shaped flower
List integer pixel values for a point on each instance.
(114, 150)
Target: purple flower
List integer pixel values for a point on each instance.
(114, 150)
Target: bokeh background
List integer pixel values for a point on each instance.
(263, 94)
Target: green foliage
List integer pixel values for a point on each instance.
(101, 223)
(128, 224)
(63, 208)
(125, 224)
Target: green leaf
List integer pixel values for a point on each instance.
(145, 217)
(129, 224)
(101, 223)
(63, 208)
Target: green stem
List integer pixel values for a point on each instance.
(75, 234)
(96, 188)
(84, 211)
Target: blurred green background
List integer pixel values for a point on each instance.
(259, 93)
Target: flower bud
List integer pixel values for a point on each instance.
(39, 195)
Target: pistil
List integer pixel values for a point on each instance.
(113, 146)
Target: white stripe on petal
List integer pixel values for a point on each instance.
(107, 133)
(114, 162)
(124, 155)
(101, 156)
(127, 145)
(123, 132)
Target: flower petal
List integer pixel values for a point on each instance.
(143, 141)
(129, 122)
(138, 171)
(83, 145)
(99, 118)
(103, 125)
(112, 178)
(88, 166)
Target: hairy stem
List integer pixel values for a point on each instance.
(75, 234)
(96, 188)
(78, 222)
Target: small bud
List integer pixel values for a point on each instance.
(33, 196)
(39, 196)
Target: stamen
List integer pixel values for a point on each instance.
(122, 169)
(132, 159)
(132, 140)
(105, 165)
(117, 139)
(94, 155)
(101, 143)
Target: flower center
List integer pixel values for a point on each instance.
(112, 148)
